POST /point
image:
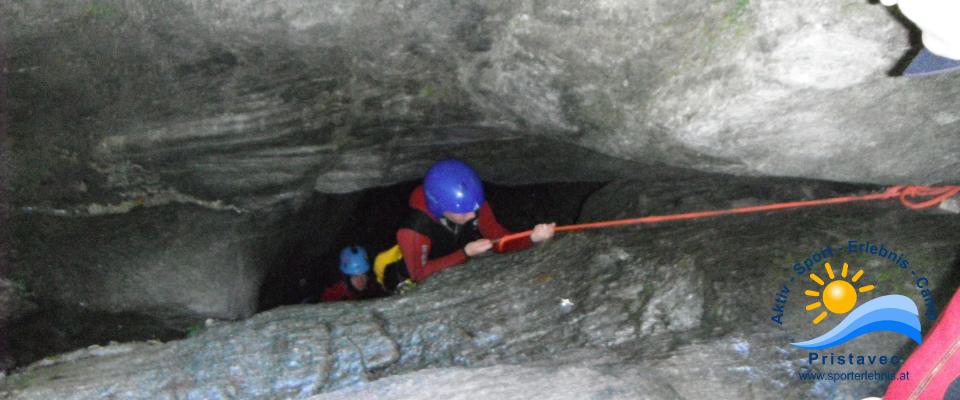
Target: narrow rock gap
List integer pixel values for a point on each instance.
(307, 264)
(302, 267)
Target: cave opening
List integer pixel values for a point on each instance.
(307, 263)
(304, 263)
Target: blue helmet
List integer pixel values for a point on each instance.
(452, 186)
(353, 260)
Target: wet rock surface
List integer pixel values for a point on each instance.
(667, 311)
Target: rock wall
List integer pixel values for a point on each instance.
(648, 310)
(157, 148)
(255, 102)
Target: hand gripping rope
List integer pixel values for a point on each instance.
(936, 195)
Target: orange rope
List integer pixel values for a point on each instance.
(904, 192)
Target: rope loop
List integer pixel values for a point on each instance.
(937, 195)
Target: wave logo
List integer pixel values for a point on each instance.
(894, 313)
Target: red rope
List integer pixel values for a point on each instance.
(904, 192)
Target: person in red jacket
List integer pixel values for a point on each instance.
(354, 284)
(448, 223)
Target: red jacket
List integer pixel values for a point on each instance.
(415, 246)
(337, 292)
(342, 290)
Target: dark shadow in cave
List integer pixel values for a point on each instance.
(61, 328)
(305, 266)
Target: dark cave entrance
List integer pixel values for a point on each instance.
(302, 265)
(307, 263)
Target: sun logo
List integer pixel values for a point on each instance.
(839, 296)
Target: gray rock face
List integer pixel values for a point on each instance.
(254, 103)
(249, 106)
(550, 380)
(669, 311)
(140, 261)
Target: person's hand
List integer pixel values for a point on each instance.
(542, 232)
(477, 247)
